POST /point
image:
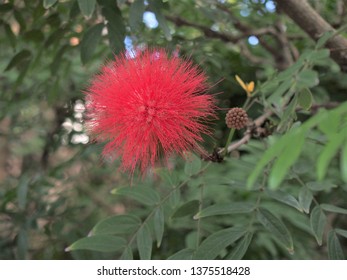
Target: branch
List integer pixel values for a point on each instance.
(281, 52)
(315, 26)
(178, 21)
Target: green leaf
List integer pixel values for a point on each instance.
(101, 243)
(22, 191)
(341, 232)
(4, 8)
(55, 36)
(330, 124)
(115, 26)
(159, 225)
(22, 243)
(289, 113)
(141, 194)
(144, 242)
(127, 254)
(74, 10)
(211, 247)
(305, 98)
(318, 221)
(18, 59)
(335, 251)
(48, 3)
(58, 59)
(241, 248)
(136, 13)
(276, 227)
(327, 154)
(225, 209)
(289, 72)
(120, 224)
(192, 166)
(10, 35)
(319, 55)
(343, 162)
(320, 186)
(188, 208)
(307, 78)
(283, 88)
(184, 254)
(285, 198)
(170, 177)
(286, 159)
(305, 199)
(333, 209)
(34, 35)
(90, 41)
(268, 156)
(87, 7)
(324, 38)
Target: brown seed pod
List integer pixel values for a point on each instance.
(236, 118)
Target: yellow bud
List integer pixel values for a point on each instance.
(248, 87)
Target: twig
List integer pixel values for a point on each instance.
(178, 21)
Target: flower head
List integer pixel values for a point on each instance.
(148, 107)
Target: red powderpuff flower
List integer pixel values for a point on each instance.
(148, 107)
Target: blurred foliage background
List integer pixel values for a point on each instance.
(55, 189)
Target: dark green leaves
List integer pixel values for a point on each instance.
(329, 152)
(184, 254)
(305, 98)
(141, 194)
(4, 8)
(137, 9)
(144, 242)
(159, 225)
(121, 224)
(115, 25)
(318, 221)
(189, 208)
(48, 3)
(333, 209)
(157, 7)
(19, 59)
(276, 227)
(90, 41)
(101, 243)
(343, 162)
(240, 249)
(87, 7)
(211, 247)
(341, 232)
(225, 209)
(10, 35)
(22, 191)
(335, 250)
(305, 199)
(285, 198)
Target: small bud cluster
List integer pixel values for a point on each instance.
(236, 118)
